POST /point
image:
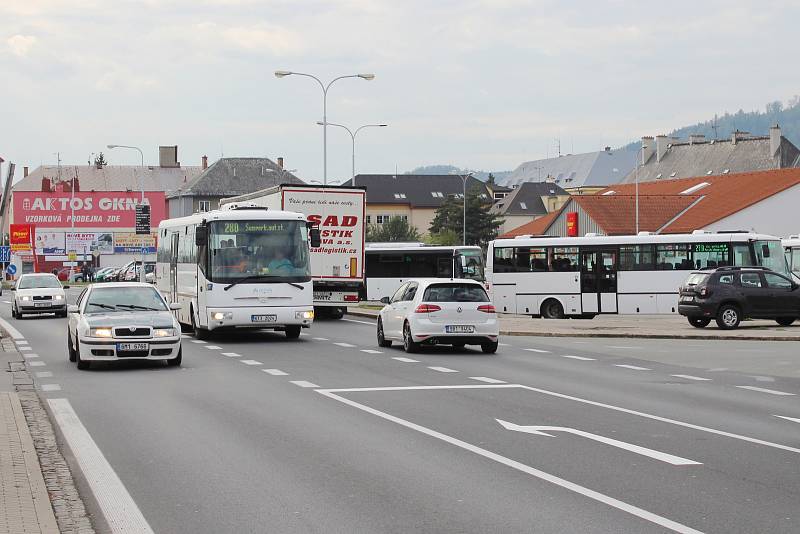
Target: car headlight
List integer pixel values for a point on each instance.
(25, 298)
(220, 316)
(163, 332)
(304, 315)
(58, 297)
(99, 332)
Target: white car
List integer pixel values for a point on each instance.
(439, 312)
(124, 321)
(38, 293)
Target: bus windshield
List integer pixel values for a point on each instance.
(471, 265)
(770, 254)
(267, 251)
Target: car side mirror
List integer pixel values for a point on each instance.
(386, 300)
(72, 308)
(175, 306)
(65, 287)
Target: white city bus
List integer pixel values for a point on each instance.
(246, 267)
(557, 277)
(792, 248)
(390, 265)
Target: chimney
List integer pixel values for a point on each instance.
(661, 147)
(647, 148)
(25, 169)
(738, 136)
(774, 141)
(280, 162)
(696, 139)
(45, 184)
(205, 162)
(168, 156)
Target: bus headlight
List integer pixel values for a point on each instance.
(163, 332)
(221, 316)
(308, 315)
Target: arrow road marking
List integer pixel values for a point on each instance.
(644, 451)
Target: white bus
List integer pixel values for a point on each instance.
(390, 265)
(246, 267)
(557, 277)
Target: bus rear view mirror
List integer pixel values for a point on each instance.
(316, 238)
(201, 236)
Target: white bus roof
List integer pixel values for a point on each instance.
(248, 214)
(406, 247)
(698, 237)
(791, 241)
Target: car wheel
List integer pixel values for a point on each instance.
(82, 364)
(382, 341)
(409, 344)
(176, 361)
(337, 313)
(292, 331)
(14, 310)
(699, 322)
(728, 317)
(490, 347)
(552, 309)
(785, 321)
(70, 350)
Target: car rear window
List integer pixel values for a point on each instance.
(455, 292)
(695, 279)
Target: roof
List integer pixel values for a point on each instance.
(527, 199)
(111, 177)
(415, 190)
(576, 170)
(535, 227)
(616, 214)
(237, 176)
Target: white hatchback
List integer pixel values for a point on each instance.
(437, 311)
(37, 293)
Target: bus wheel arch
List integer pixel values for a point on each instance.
(552, 308)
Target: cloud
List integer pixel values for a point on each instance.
(21, 45)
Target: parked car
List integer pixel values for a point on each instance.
(428, 312)
(75, 276)
(130, 272)
(731, 294)
(37, 294)
(101, 273)
(130, 321)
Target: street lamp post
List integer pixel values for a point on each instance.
(640, 155)
(464, 179)
(353, 135)
(141, 154)
(284, 73)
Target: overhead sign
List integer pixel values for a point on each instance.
(143, 220)
(21, 236)
(108, 208)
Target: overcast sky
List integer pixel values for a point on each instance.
(478, 84)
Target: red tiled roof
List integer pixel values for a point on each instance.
(616, 214)
(535, 227)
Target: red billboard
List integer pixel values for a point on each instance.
(116, 209)
(572, 224)
(21, 236)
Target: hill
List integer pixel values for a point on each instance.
(450, 169)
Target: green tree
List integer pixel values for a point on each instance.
(395, 230)
(445, 238)
(482, 224)
(490, 179)
(100, 161)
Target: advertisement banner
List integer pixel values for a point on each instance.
(572, 224)
(130, 243)
(98, 209)
(21, 236)
(80, 242)
(48, 242)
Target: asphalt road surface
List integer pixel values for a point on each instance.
(329, 433)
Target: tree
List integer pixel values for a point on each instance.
(395, 230)
(100, 161)
(490, 179)
(445, 238)
(482, 224)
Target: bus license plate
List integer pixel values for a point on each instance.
(263, 318)
(123, 347)
(459, 329)
(41, 304)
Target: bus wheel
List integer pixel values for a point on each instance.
(200, 333)
(292, 331)
(552, 309)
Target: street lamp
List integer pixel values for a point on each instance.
(141, 154)
(284, 73)
(639, 155)
(464, 179)
(353, 135)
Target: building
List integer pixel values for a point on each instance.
(414, 197)
(529, 201)
(665, 158)
(764, 202)
(576, 173)
(96, 221)
(227, 177)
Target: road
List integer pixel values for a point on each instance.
(329, 433)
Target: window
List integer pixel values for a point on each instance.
(710, 255)
(777, 282)
(504, 260)
(369, 219)
(411, 292)
(636, 258)
(523, 205)
(751, 280)
(455, 293)
(770, 254)
(399, 293)
(399, 195)
(669, 257)
(437, 194)
(796, 260)
(741, 254)
(726, 279)
(564, 259)
(204, 205)
(380, 219)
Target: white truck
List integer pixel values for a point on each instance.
(337, 265)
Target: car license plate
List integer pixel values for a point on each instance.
(263, 318)
(459, 329)
(687, 299)
(123, 347)
(41, 304)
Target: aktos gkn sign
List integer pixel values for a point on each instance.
(108, 208)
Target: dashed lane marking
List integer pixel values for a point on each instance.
(7, 301)
(304, 334)
(213, 347)
(539, 351)
(793, 419)
(44, 374)
(37, 363)
(51, 387)
(30, 355)
(304, 384)
(198, 341)
(621, 347)
(275, 372)
(691, 377)
(22, 342)
(345, 345)
(633, 367)
(503, 345)
(251, 362)
(487, 380)
(405, 360)
(765, 390)
(361, 322)
(320, 339)
(442, 369)
(231, 354)
(582, 358)
(372, 351)
(13, 332)
(23, 348)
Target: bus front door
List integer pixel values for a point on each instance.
(599, 281)
(173, 268)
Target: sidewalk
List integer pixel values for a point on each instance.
(632, 326)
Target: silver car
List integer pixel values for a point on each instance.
(37, 294)
(124, 321)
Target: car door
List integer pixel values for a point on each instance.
(404, 306)
(390, 327)
(784, 299)
(756, 294)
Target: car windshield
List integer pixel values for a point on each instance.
(770, 254)
(124, 299)
(695, 279)
(471, 264)
(455, 293)
(36, 282)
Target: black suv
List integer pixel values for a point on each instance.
(730, 294)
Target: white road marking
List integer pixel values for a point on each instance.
(213, 347)
(581, 342)
(13, 332)
(231, 354)
(7, 301)
(320, 339)
(185, 336)
(304, 384)
(30, 355)
(793, 419)
(487, 380)
(644, 451)
(37, 363)
(51, 387)
(44, 374)
(198, 341)
(503, 345)
(345, 345)
(120, 510)
(23, 347)
(538, 350)
(442, 369)
(621, 347)
(362, 322)
(21, 342)
(304, 334)
(690, 377)
(405, 360)
(251, 362)
(634, 367)
(583, 358)
(371, 351)
(764, 390)
(571, 486)
(275, 372)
